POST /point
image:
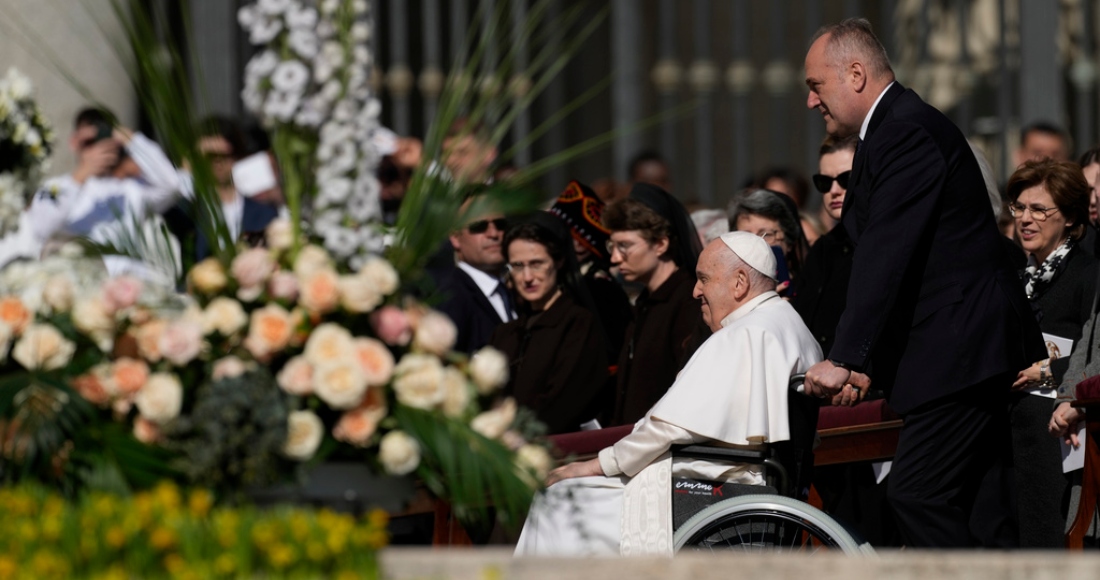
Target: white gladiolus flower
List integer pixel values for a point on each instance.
(262, 64)
(360, 32)
(332, 90)
(265, 30)
(309, 116)
(359, 7)
(304, 42)
(290, 76)
(362, 208)
(341, 241)
(301, 18)
(281, 106)
(273, 7)
(248, 15)
(344, 111)
(336, 190)
(19, 86)
(329, 6)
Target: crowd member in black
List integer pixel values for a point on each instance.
(1049, 201)
(581, 210)
(555, 347)
(1090, 166)
(654, 242)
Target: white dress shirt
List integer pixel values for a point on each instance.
(488, 285)
(867, 119)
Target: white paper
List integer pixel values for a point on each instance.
(881, 469)
(1074, 459)
(591, 425)
(1057, 347)
(254, 175)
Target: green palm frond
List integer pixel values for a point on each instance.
(40, 414)
(149, 241)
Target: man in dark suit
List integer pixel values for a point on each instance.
(475, 297)
(935, 314)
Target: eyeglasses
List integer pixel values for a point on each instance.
(1038, 213)
(623, 248)
(824, 183)
(482, 226)
(772, 237)
(535, 266)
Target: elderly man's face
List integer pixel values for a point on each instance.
(717, 284)
(831, 93)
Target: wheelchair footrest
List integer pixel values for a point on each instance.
(689, 496)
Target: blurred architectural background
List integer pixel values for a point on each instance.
(992, 65)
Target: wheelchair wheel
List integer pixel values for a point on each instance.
(766, 523)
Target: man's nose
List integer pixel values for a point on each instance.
(697, 291)
(812, 100)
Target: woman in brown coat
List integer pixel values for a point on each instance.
(556, 347)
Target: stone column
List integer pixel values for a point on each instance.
(627, 80)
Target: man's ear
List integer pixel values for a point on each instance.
(454, 242)
(858, 76)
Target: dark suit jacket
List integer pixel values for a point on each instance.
(255, 217)
(823, 285)
(473, 314)
(557, 363)
(934, 305)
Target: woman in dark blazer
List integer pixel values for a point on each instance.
(1049, 201)
(556, 346)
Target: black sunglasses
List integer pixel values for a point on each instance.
(824, 183)
(482, 226)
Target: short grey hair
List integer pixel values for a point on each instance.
(765, 203)
(758, 281)
(853, 39)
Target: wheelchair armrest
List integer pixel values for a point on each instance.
(755, 456)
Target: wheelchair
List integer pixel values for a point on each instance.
(714, 516)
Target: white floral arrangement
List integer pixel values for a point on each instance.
(25, 145)
(310, 79)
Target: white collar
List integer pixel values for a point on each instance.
(867, 119)
(486, 282)
(748, 307)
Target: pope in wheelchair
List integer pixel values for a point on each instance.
(732, 395)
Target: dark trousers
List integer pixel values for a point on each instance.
(951, 482)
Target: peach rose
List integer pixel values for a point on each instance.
(230, 367)
(319, 291)
(279, 235)
(146, 431)
(283, 286)
(375, 359)
(356, 295)
(435, 333)
(224, 316)
(161, 399)
(418, 381)
(208, 276)
(90, 387)
(535, 461)
(311, 259)
(120, 293)
(42, 347)
(340, 384)
(399, 453)
(296, 376)
(58, 293)
(391, 325)
(329, 343)
(251, 268)
(269, 331)
(493, 423)
(358, 425)
(129, 375)
(90, 316)
(148, 339)
(14, 313)
(380, 275)
(181, 342)
(489, 370)
(456, 392)
(304, 433)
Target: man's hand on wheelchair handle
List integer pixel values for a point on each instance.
(843, 386)
(575, 469)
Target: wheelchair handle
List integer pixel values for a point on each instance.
(796, 383)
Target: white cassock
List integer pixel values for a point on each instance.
(732, 392)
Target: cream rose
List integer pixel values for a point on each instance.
(43, 347)
(148, 339)
(418, 381)
(380, 275)
(329, 343)
(14, 313)
(304, 433)
(375, 359)
(223, 315)
(208, 276)
(456, 392)
(91, 317)
(311, 259)
(358, 425)
(279, 235)
(489, 370)
(58, 293)
(341, 384)
(399, 453)
(251, 269)
(160, 399)
(283, 286)
(357, 295)
(435, 333)
(230, 367)
(319, 291)
(181, 342)
(120, 293)
(493, 423)
(535, 461)
(269, 331)
(296, 376)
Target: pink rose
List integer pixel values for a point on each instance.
(181, 342)
(146, 431)
(391, 325)
(296, 377)
(251, 269)
(283, 286)
(120, 293)
(229, 367)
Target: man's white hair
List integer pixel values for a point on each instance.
(758, 282)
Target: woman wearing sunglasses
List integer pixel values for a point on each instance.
(823, 286)
(555, 347)
(1049, 201)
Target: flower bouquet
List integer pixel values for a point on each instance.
(25, 145)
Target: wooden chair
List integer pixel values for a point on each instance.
(1088, 399)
